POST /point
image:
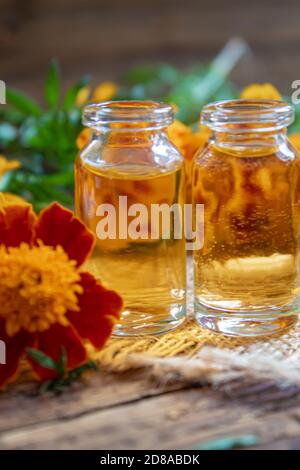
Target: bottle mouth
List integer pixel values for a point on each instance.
(127, 115)
(245, 116)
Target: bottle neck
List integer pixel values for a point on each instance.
(246, 125)
(127, 116)
(150, 148)
(128, 136)
(249, 141)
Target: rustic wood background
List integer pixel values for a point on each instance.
(131, 412)
(104, 37)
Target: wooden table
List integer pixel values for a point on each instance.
(129, 411)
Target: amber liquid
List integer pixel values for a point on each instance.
(249, 261)
(148, 273)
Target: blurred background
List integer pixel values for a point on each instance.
(185, 52)
(106, 37)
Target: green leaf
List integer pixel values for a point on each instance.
(75, 374)
(28, 132)
(59, 385)
(8, 133)
(45, 386)
(196, 89)
(5, 181)
(72, 92)
(12, 116)
(146, 74)
(52, 85)
(42, 359)
(227, 443)
(62, 362)
(227, 92)
(65, 179)
(22, 103)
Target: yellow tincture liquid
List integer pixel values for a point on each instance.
(249, 261)
(148, 273)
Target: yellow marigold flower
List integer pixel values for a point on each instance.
(7, 165)
(263, 91)
(8, 199)
(83, 138)
(37, 305)
(197, 142)
(83, 96)
(47, 300)
(105, 91)
(295, 140)
(174, 107)
(180, 134)
(187, 141)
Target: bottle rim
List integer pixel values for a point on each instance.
(127, 115)
(245, 116)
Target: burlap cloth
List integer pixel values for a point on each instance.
(187, 341)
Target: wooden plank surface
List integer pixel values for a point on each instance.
(129, 411)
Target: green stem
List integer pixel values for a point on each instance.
(220, 69)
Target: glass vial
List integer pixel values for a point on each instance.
(128, 171)
(247, 177)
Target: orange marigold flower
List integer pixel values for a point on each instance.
(187, 141)
(7, 165)
(196, 142)
(175, 107)
(180, 134)
(263, 91)
(47, 302)
(8, 199)
(83, 138)
(295, 140)
(83, 96)
(105, 91)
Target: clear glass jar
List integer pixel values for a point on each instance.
(130, 164)
(247, 272)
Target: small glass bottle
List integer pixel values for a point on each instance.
(131, 166)
(247, 177)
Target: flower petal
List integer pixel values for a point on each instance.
(13, 349)
(51, 342)
(16, 224)
(99, 310)
(58, 226)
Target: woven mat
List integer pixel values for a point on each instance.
(190, 338)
